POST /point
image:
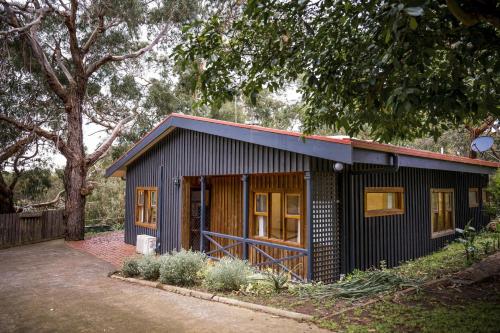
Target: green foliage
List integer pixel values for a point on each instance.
(227, 274)
(130, 267)
(493, 205)
(405, 69)
(386, 317)
(182, 268)
(468, 238)
(358, 285)
(268, 280)
(441, 263)
(149, 267)
(106, 204)
(277, 280)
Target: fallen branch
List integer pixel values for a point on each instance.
(47, 203)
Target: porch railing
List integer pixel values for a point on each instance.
(254, 243)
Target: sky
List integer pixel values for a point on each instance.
(93, 134)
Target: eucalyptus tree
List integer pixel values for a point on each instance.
(22, 96)
(80, 51)
(404, 69)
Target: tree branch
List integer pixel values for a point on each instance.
(99, 29)
(481, 12)
(16, 147)
(38, 53)
(59, 143)
(57, 55)
(103, 148)
(48, 203)
(112, 58)
(27, 26)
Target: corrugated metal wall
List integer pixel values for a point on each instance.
(368, 241)
(190, 153)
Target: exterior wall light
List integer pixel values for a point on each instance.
(338, 167)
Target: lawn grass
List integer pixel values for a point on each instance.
(420, 313)
(446, 261)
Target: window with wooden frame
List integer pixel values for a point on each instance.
(146, 207)
(485, 196)
(384, 201)
(473, 197)
(278, 216)
(443, 212)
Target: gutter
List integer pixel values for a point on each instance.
(387, 169)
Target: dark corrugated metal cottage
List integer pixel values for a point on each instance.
(315, 206)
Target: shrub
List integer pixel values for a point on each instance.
(182, 268)
(149, 267)
(227, 274)
(130, 267)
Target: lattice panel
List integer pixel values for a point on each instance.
(326, 258)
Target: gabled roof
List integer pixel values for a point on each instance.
(343, 150)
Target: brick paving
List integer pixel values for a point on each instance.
(109, 246)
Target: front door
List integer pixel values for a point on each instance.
(195, 217)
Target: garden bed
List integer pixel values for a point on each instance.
(356, 297)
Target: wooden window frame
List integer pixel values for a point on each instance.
(384, 212)
(485, 196)
(476, 190)
(146, 206)
(284, 193)
(446, 232)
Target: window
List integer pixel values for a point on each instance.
(473, 197)
(146, 207)
(485, 196)
(442, 210)
(278, 216)
(382, 201)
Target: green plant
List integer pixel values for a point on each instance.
(467, 238)
(130, 267)
(149, 267)
(182, 268)
(358, 285)
(227, 274)
(276, 280)
(488, 246)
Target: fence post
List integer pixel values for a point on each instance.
(244, 178)
(202, 214)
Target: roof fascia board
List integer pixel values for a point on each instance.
(338, 152)
(148, 141)
(317, 148)
(382, 158)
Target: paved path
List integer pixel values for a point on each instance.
(49, 287)
(108, 246)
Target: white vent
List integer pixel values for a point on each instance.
(145, 244)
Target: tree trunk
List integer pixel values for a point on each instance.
(75, 172)
(6, 198)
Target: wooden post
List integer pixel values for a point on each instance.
(159, 213)
(309, 225)
(202, 214)
(246, 200)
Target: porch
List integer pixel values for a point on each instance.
(266, 219)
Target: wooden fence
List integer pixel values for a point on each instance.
(31, 227)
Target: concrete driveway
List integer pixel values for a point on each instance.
(49, 287)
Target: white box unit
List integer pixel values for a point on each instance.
(145, 244)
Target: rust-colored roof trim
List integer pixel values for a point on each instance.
(387, 148)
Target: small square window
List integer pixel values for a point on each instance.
(473, 197)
